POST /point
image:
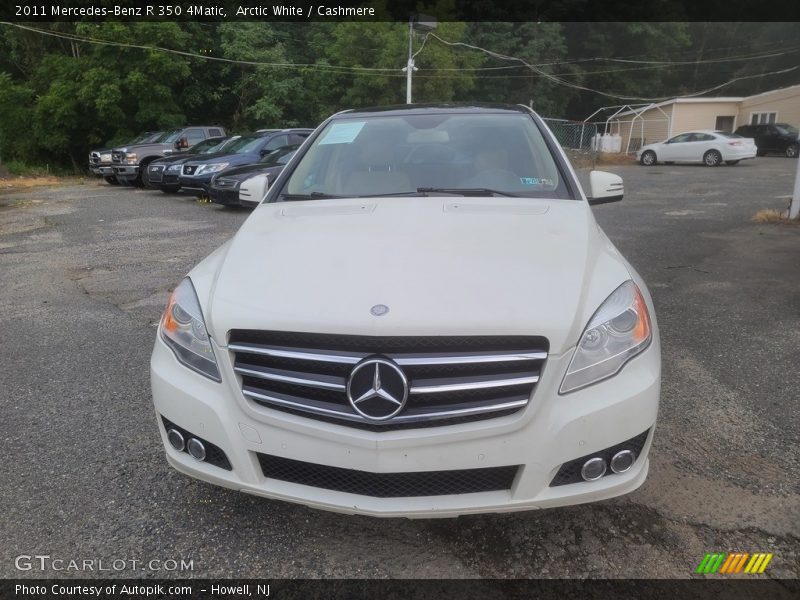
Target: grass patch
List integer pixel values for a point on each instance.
(21, 169)
(772, 215)
(616, 158)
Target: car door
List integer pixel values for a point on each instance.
(702, 143)
(674, 148)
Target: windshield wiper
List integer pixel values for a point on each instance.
(465, 191)
(311, 196)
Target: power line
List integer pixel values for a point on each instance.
(76, 38)
(570, 84)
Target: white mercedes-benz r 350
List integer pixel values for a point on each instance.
(422, 319)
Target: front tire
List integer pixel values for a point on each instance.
(792, 151)
(712, 158)
(731, 162)
(761, 152)
(143, 180)
(648, 158)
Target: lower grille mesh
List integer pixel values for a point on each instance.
(388, 485)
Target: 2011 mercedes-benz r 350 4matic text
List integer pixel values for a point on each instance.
(422, 318)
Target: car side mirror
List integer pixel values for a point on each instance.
(183, 143)
(605, 187)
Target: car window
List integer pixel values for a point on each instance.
(279, 156)
(194, 135)
(276, 142)
(684, 137)
(786, 129)
(297, 138)
(703, 137)
(728, 135)
(395, 155)
(169, 136)
(204, 146)
(215, 132)
(245, 144)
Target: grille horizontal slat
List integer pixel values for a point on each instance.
(450, 378)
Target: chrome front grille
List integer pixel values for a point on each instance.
(451, 379)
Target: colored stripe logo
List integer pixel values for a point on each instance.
(734, 562)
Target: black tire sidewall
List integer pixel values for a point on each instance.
(712, 153)
(649, 153)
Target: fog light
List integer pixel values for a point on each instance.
(622, 461)
(196, 448)
(592, 469)
(176, 439)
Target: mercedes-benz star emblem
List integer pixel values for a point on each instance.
(377, 389)
(379, 310)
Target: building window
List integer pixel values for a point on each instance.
(762, 118)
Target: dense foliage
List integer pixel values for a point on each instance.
(61, 97)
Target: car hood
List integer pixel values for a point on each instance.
(443, 266)
(173, 158)
(230, 157)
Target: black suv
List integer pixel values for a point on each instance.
(773, 137)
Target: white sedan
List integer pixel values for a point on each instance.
(708, 147)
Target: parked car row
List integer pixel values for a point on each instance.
(200, 160)
(712, 148)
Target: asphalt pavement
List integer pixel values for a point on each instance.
(85, 271)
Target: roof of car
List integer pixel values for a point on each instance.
(440, 108)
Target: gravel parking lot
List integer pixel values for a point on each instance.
(86, 270)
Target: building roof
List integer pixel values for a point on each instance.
(698, 100)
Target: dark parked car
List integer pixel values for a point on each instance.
(100, 159)
(773, 137)
(163, 173)
(224, 187)
(196, 174)
(130, 162)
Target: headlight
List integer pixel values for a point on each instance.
(618, 331)
(213, 168)
(174, 168)
(130, 157)
(184, 331)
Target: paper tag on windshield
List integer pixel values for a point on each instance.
(342, 133)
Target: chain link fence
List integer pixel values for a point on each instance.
(576, 139)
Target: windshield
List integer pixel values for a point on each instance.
(169, 136)
(419, 154)
(279, 156)
(783, 128)
(206, 146)
(246, 143)
(147, 136)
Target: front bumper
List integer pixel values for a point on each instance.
(226, 196)
(102, 169)
(549, 432)
(197, 185)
